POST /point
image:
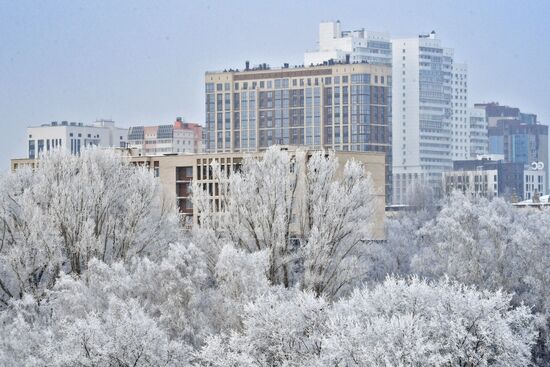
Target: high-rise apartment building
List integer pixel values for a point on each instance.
(345, 107)
(460, 120)
(422, 111)
(74, 136)
(180, 137)
(349, 46)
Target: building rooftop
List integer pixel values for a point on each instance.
(286, 66)
(97, 123)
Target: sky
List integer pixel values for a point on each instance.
(143, 62)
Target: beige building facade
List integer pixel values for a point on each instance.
(177, 174)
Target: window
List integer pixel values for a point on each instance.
(360, 79)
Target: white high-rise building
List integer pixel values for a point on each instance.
(460, 120)
(349, 46)
(421, 111)
(74, 136)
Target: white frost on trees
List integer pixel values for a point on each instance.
(398, 323)
(71, 209)
(302, 211)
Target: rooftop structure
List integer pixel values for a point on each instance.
(358, 46)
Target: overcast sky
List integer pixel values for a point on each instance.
(143, 62)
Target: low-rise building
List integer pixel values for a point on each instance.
(74, 136)
(178, 172)
(180, 137)
(489, 178)
(534, 181)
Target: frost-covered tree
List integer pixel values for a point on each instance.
(416, 323)
(71, 209)
(308, 215)
(489, 244)
(282, 328)
(492, 245)
(143, 313)
(397, 323)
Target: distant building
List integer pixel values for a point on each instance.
(479, 139)
(488, 178)
(460, 119)
(496, 112)
(520, 137)
(180, 137)
(74, 136)
(345, 107)
(357, 46)
(534, 182)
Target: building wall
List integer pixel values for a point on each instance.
(482, 183)
(534, 182)
(345, 107)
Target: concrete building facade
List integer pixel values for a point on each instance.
(344, 107)
(74, 136)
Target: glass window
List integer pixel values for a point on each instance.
(360, 79)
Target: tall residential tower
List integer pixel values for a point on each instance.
(345, 107)
(431, 126)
